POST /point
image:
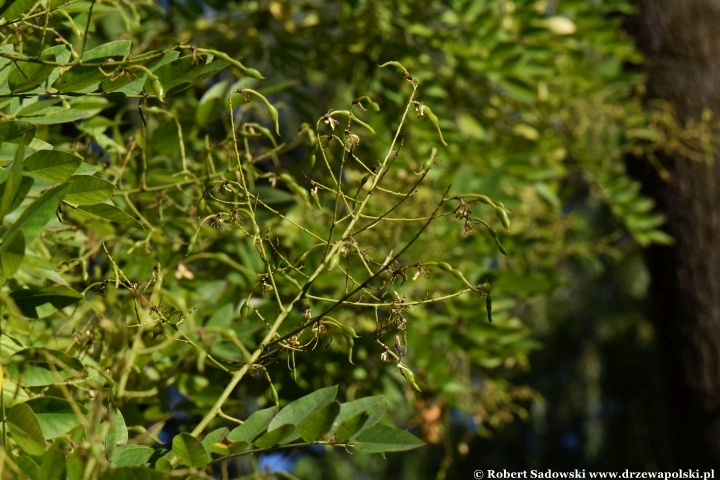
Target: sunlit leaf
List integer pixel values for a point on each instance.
(12, 9)
(34, 218)
(12, 253)
(88, 190)
(41, 302)
(87, 78)
(25, 429)
(26, 76)
(52, 165)
(39, 367)
(190, 451)
(112, 213)
(297, 411)
(56, 415)
(317, 424)
(381, 438)
(253, 426)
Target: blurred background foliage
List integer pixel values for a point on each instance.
(542, 104)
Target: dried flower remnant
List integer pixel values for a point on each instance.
(419, 109)
(385, 355)
(217, 222)
(352, 139)
(330, 121)
(235, 218)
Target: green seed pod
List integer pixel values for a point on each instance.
(502, 215)
(459, 275)
(334, 261)
(485, 288)
(488, 306)
(396, 64)
(200, 362)
(351, 344)
(430, 162)
(273, 392)
(445, 267)
(367, 182)
(312, 138)
(502, 249)
(312, 160)
(272, 111)
(409, 376)
(157, 87)
(347, 113)
(201, 206)
(348, 331)
(244, 311)
(434, 120)
(486, 200)
(251, 72)
(256, 229)
(373, 106)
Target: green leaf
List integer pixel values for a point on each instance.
(27, 76)
(39, 107)
(12, 252)
(375, 414)
(12, 394)
(88, 190)
(133, 84)
(74, 467)
(176, 75)
(117, 435)
(211, 69)
(25, 429)
(112, 213)
(253, 426)
(76, 109)
(190, 451)
(214, 437)
(303, 407)
(34, 218)
(274, 437)
(12, 184)
(350, 409)
(350, 427)
(39, 367)
(133, 455)
(133, 473)
(41, 302)
(209, 106)
(26, 184)
(12, 9)
(318, 424)
(52, 165)
(56, 415)
(381, 438)
(86, 79)
(163, 464)
(28, 466)
(53, 465)
(14, 131)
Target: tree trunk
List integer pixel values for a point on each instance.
(681, 39)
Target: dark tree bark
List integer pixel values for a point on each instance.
(681, 39)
